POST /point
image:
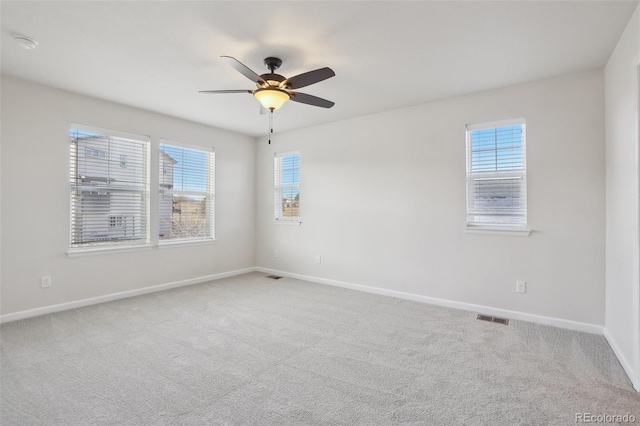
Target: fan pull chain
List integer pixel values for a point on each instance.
(270, 125)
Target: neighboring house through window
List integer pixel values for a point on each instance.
(109, 203)
(497, 175)
(95, 153)
(286, 180)
(186, 198)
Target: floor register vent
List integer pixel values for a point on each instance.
(493, 319)
(273, 277)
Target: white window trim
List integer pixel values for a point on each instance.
(182, 242)
(117, 247)
(125, 249)
(81, 252)
(496, 229)
(296, 222)
(498, 123)
(185, 242)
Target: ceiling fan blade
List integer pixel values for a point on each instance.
(307, 78)
(303, 98)
(226, 91)
(243, 69)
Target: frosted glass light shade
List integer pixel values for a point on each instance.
(271, 98)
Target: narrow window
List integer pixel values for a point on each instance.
(186, 198)
(109, 204)
(286, 180)
(497, 174)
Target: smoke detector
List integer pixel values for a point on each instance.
(25, 42)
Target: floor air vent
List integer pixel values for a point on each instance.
(273, 277)
(493, 319)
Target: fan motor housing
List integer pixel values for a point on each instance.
(273, 78)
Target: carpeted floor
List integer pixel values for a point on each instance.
(250, 350)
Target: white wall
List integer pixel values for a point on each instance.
(621, 74)
(35, 201)
(383, 202)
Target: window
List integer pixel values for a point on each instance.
(95, 153)
(496, 175)
(286, 181)
(109, 204)
(186, 199)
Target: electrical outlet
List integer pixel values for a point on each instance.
(276, 254)
(521, 286)
(318, 258)
(45, 281)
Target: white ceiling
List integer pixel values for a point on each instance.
(386, 55)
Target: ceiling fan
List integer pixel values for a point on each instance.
(273, 90)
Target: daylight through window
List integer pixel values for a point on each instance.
(496, 174)
(286, 179)
(186, 198)
(109, 203)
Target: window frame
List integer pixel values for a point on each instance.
(496, 227)
(210, 194)
(74, 154)
(278, 187)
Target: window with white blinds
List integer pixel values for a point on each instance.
(497, 174)
(186, 199)
(286, 181)
(109, 187)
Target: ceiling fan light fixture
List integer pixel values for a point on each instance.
(271, 98)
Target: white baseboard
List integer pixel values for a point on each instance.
(481, 309)
(486, 310)
(115, 296)
(626, 365)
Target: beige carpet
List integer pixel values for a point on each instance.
(250, 350)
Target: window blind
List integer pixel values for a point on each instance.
(109, 186)
(186, 199)
(286, 179)
(496, 174)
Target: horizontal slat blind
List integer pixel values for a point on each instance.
(496, 175)
(286, 178)
(109, 185)
(186, 200)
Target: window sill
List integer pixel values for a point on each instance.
(184, 243)
(511, 232)
(288, 222)
(105, 250)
